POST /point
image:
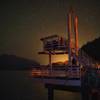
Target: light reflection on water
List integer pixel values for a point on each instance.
(19, 85)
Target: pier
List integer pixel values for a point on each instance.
(77, 74)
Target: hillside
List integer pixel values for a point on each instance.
(15, 62)
(93, 49)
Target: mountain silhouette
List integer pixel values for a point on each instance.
(15, 62)
(93, 49)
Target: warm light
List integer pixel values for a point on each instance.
(98, 65)
(59, 58)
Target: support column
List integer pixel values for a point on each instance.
(50, 93)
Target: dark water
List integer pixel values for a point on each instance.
(19, 85)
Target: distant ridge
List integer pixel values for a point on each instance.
(15, 62)
(93, 49)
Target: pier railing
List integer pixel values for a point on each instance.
(66, 72)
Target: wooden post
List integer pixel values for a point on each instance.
(50, 62)
(69, 38)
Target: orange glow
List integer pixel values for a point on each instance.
(59, 58)
(39, 72)
(98, 66)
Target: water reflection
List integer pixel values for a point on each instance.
(19, 85)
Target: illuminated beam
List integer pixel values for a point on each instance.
(76, 34)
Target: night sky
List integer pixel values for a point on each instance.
(24, 22)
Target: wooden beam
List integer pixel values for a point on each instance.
(53, 53)
(49, 37)
(63, 87)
